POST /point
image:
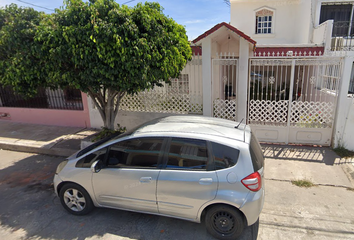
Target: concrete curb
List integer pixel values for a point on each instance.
(59, 152)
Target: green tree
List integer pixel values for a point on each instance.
(20, 62)
(105, 50)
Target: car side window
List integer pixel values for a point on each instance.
(224, 156)
(87, 161)
(187, 154)
(135, 153)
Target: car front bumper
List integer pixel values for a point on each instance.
(57, 180)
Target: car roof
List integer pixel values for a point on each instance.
(188, 124)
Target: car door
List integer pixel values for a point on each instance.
(187, 180)
(128, 178)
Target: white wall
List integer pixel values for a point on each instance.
(124, 118)
(291, 24)
(347, 139)
(343, 124)
(323, 34)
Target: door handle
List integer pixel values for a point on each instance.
(205, 181)
(145, 179)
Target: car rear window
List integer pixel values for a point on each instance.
(224, 156)
(256, 154)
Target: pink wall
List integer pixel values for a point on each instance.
(72, 118)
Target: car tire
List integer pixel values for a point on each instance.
(75, 199)
(224, 222)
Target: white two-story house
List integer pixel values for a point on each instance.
(282, 66)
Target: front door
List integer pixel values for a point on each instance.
(128, 180)
(185, 183)
(293, 100)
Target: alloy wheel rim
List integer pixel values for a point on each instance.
(74, 200)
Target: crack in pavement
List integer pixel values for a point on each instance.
(314, 184)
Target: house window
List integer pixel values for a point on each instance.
(342, 16)
(264, 21)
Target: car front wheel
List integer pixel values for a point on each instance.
(224, 222)
(75, 199)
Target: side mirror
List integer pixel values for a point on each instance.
(113, 161)
(96, 166)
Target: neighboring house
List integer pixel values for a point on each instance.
(283, 67)
(66, 107)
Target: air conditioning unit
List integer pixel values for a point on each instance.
(337, 44)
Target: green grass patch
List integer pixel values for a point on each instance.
(303, 183)
(343, 152)
(105, 132)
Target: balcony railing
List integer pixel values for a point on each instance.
(343, 36)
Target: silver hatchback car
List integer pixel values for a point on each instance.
(188, 167)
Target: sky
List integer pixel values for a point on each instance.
(198, 16)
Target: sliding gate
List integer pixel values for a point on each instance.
(293, 100)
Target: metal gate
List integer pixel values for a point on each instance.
(293, 100)
(224, 85)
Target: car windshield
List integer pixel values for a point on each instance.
(113, 137)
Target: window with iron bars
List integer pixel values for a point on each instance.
(179, 85)
(342, 15)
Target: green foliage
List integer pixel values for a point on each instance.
(100, 47)
(20, 58)
(100, 43)
(343, 152)
(105, 132)
(303, 183)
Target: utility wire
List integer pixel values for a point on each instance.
(128, 2)
(36, 5)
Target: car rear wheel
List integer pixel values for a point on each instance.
(224, 222)
(75, 199)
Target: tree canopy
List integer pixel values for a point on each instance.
(20, 63)
(100, 47)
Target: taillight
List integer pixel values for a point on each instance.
(253, 182)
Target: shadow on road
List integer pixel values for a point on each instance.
(30, 209)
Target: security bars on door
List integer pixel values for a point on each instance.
(224, 86)
(293, 92)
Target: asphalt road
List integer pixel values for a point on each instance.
(29, 209)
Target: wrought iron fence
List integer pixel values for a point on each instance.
(343, 36)
(66, 99)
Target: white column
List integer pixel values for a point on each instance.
(242, 81)
(342, 109)
(328, 35)
(206, 74)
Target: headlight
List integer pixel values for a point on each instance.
(61, 166)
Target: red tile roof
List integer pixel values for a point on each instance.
(224, 24)
(197, 50)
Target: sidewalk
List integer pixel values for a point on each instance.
(41, 139)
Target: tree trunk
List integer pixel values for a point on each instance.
(107, 103)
